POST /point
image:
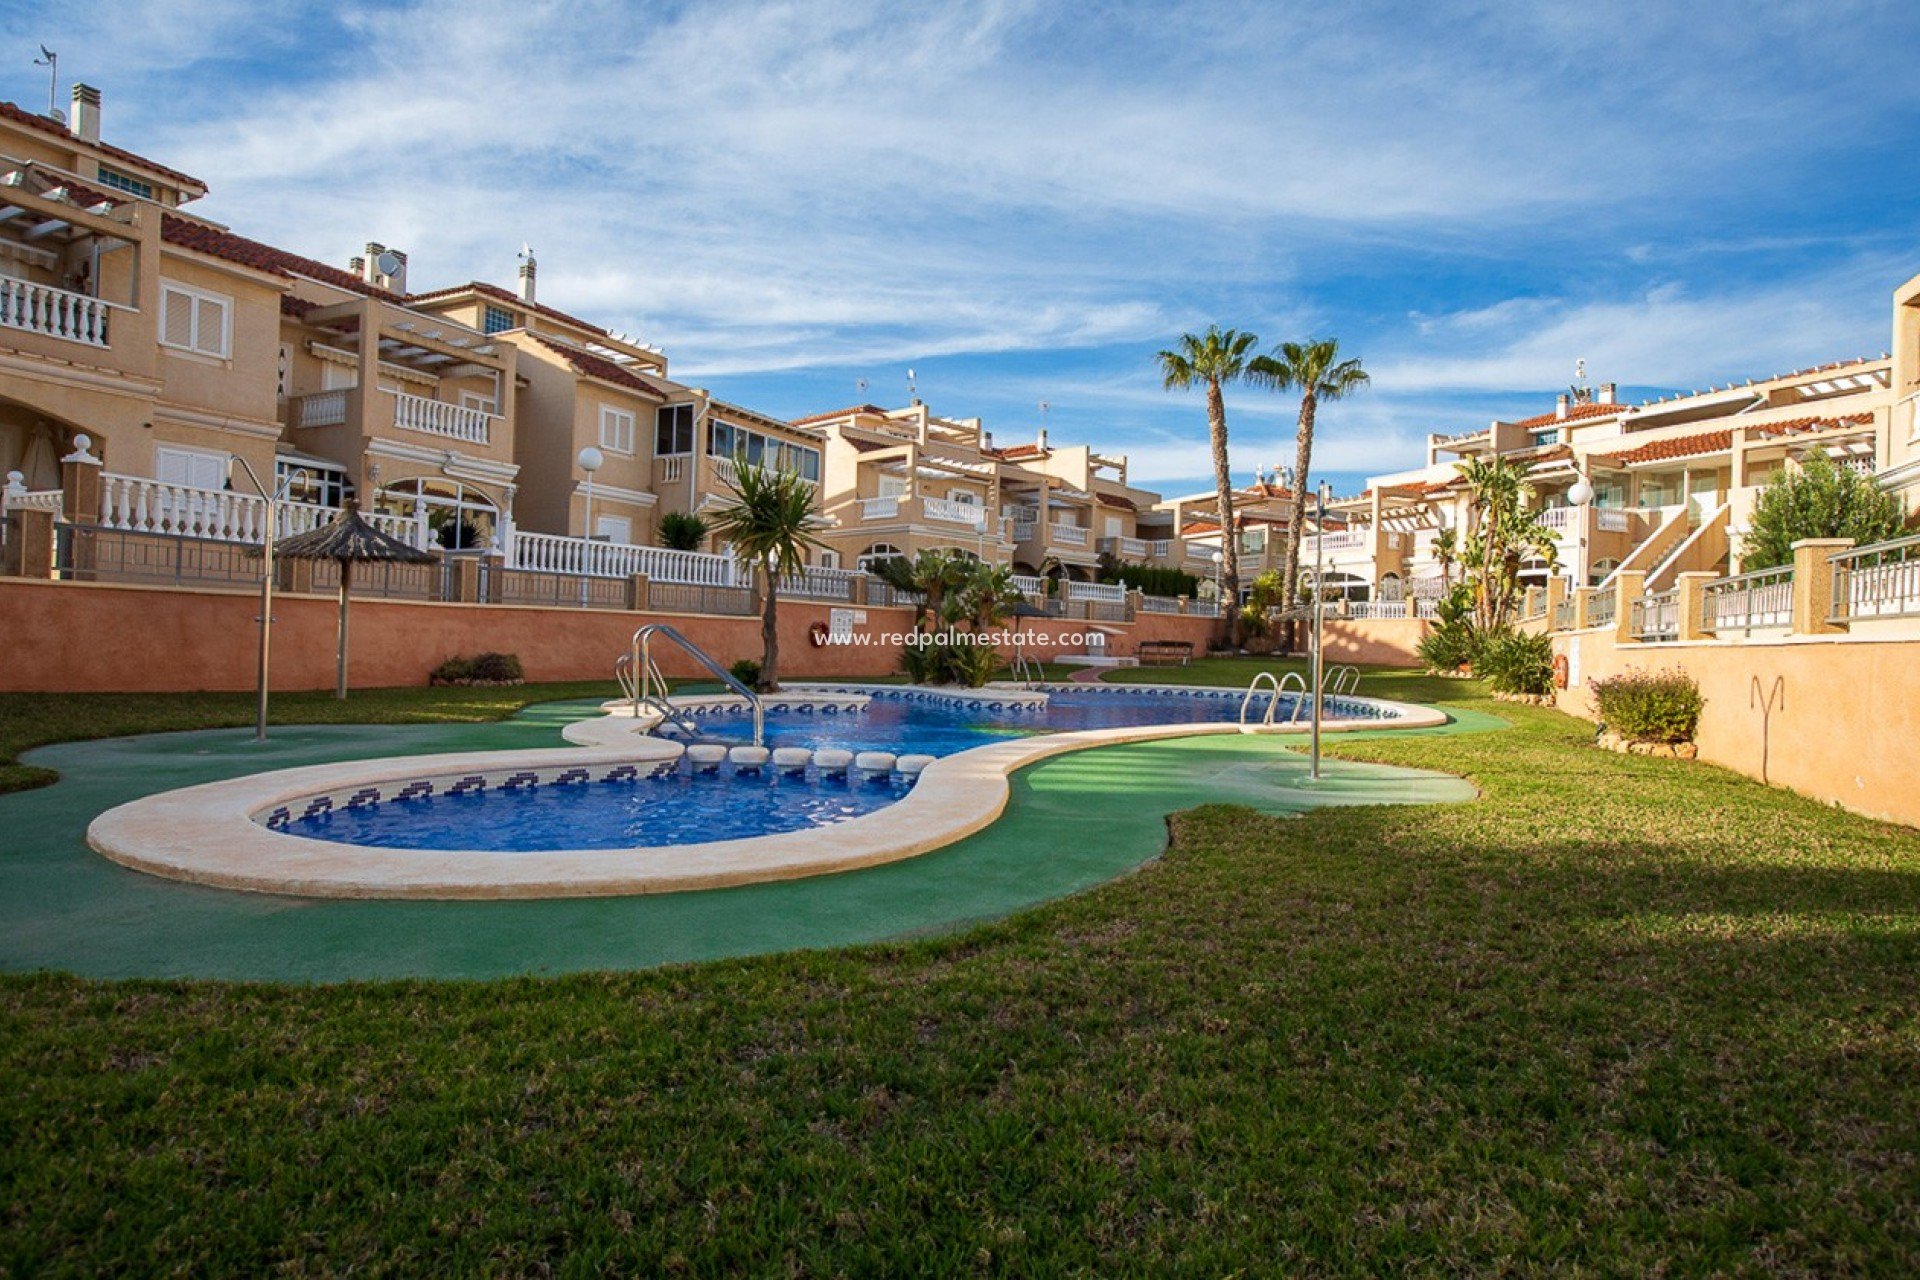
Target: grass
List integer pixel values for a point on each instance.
(1621, 1016)
(29, 720)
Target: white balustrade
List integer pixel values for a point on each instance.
(1070, 535)
(1556, 518)
(1612, 521)
(1024, 530)
(1032, 587)
(150, 506)
(1340, 541)
(821, 583)
(31, 500)
(54, 313)
(555, 553)
(1111, 592)
(438, 418)
(879, 508)
(322, 409)
(673, 469)
(953, 512)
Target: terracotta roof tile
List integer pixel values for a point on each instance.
(34, 120)
(606, 370)
(840, 413)
(1720, 440)
(1575, 412)
(507, 296)
(215, 242)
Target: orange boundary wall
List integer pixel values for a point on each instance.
(1387, 642)
(69, 637)
(1844, 718)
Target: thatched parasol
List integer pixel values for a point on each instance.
(348, 540)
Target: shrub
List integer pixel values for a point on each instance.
(1454, 641)
(923, 663)
(746, 671)
(682, 531)
(452, 671)
(1820, 500)
(971, 665)
(1649, 706)
(501, 668)
(1517, 663)
(1154, 580)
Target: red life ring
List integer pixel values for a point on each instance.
(818, 633)
(1559, 670)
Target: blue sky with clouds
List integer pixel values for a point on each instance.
(1024, 201)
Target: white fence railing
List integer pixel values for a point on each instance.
(322, 409)
(1377, 609)
(1069, 535)
(952, 512)
(879, 508)
(1030, 586)
(438, 418)
(821, 584)
(1877, 581)
(53, 313)
(138, 505)
(1112, 592)
(556, 553)
(1760, 599)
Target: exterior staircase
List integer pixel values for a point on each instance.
(1658, 545)
(1706, 549)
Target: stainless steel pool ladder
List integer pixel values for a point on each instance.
(1026, 671)
(646, 687)
(1279, 687)
(1341, 680)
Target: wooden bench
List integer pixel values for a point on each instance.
(1165, 653)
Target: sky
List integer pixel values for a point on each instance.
(1024, 202)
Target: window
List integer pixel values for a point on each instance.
(616, 430)
(613, 529)
(829, 560)
(496, 320)
(1115, 526)
(965, 497)
(338, 377)
(477, 400)
(725, 440)
(308, 480)
(875, 554)
(1550, 436)
(673, 430)
(194, 320)
(190, 468)
(893, 486)
(125, 182)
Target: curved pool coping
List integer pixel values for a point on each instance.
(208, 834)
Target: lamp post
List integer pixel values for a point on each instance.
(273, 498)
(1579, 495)
(589, 459)
(1323, 496)
(1219, 558)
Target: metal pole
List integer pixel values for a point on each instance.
(266, 606)
(1319, 612)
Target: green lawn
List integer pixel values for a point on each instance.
(1620, 1016)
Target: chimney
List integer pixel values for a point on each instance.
(1041, 438)
(528, 269)
(986, 440)
(369, 268)
(84, 121)
(1607, 391)
(381, 266)
(1560, 407)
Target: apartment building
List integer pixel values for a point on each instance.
(1674, 480)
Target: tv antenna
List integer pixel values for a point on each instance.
(51, 61)
(862, 384)
(912, 391)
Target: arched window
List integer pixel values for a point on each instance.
(877, 552)
(459, 516)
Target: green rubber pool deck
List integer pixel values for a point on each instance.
(1072, 822)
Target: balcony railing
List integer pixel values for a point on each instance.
(1069, 535)
(438, 418)
(134, 504)
(555, 553)
(879, 508)
(321, 409)
(1877, 581)
(1603, 609)
(1763, 598)
(946, 509)
(1563, 616)
(1656, 616)
(1031, 587)
(54, 313)
(1334, 541)
(1125, 548)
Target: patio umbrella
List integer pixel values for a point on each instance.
(348, 540)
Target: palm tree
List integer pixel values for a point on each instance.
(770, 526)
(1446, 549)
(1317, 372)
(1501, 531)
(933, 575)
(1212, 360)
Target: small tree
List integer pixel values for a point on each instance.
(770, 525)
(682, 531)
(1819, 500)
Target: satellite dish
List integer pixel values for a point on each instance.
(388, 263)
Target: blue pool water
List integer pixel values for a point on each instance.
(684, 807)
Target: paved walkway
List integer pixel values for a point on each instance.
(1072, 822)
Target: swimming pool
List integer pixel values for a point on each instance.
(692, 803)
(621, 810)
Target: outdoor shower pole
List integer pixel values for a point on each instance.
(1319, 612)
(272, 497)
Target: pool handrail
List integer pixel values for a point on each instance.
(640, 660)
(1279, 686)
